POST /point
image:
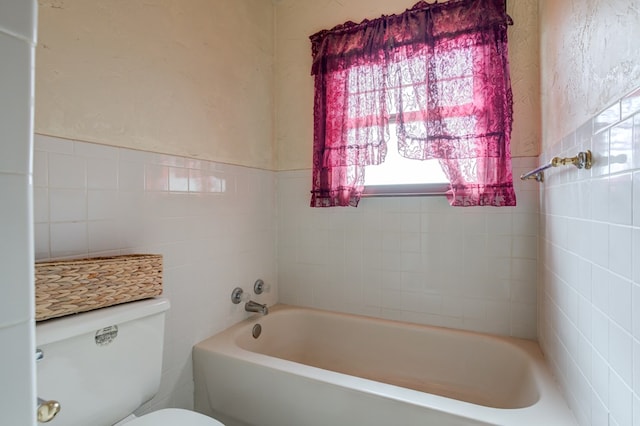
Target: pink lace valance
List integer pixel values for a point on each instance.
(440, 72)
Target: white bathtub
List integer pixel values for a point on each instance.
(312, 367)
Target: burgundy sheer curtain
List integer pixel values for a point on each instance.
(440, 72)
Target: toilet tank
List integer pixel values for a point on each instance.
(101, 365)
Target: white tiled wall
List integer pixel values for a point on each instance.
(215, 224)
(590, 268)
(414, 259)
(17, 375)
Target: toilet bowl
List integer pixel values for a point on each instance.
(173, 417)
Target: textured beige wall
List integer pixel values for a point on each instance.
(296, 20)
(590, 57)
(191, 78)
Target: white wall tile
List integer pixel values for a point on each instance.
(130, 176)
(16, 248)
(102, 173)
(426, 254)
(620, 400)
(156, 178)
(211, 243)
(620, 301)
(41, 205)
(600, 152)
(52, 144)
(600, 243)
(17, 370)
(621, 353)
(599, 189)
(15, 86)
(620, 200)
(635, 251)
(103, 236)
(102, 205)
(636, 198)
(621, 147)
(600, 377)
(41, 238)
(41, 162)
(66, 205)
(17, 402)
(178, 179)
(603, 237)
(67, 171)
(92, 150)
(636, 142)
(620, 250)
(68, 239)
(19, 18)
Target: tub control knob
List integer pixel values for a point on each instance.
(260, 287)
(238, 295)
(47, 410)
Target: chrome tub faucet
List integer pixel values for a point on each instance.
(252, 306)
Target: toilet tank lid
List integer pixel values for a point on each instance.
(173, 417)
(57, 329)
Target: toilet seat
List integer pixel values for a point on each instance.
(173, 417)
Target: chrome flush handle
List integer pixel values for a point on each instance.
(47, 410)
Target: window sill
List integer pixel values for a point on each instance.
(406, 190)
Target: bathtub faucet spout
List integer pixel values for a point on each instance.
(252, 306)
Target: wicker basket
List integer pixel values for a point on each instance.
(71, 286)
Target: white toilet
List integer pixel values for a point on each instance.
(104, 364)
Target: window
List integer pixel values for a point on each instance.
(398, 175)
(423, 95)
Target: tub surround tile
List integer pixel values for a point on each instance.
(620, 199)
(635, 255)
(604, 238)
(630, 104)
(600, 194)
(621, 146)
(621, 353)
(600, 154)
(620, 250)
(620, 400)
(636, 142)
(422, 252)
(635, 203)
